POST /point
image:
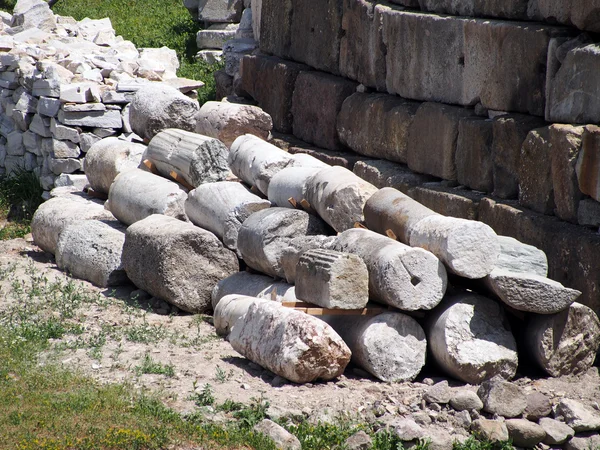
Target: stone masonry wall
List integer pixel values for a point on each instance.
(487, 112)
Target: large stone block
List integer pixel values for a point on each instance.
(510, 131)
(176, 261)
(565, 144)
(316, 32)
(377, 125)
(452, 202)
(432, 139)
(276, 27)
(270, 81)
(588, 162)
(536, 190)
(381, 173)
(506, 9)
(317, 100)
(362, 53)
(430, 68)
(474, 154)
(220, 10)
(573, 95)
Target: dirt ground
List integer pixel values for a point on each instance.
(118, 333)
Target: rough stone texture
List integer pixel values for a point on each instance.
(290, 343)
(275, 27)
(390, 346)
(221, 208)
(316, 102)
(583, 441)
(492, 430)
(502, 397)
(524, 433)
(470, 339)
(156, 107)
(529, 292)
(33, 14)
(566, 245)
(332, 279)
(536, 190)
(198, 159)
(215, 35)
(228, 121)
(467, 248)
(572, 93)
(422, 69)
(510, 131)
(588, 162)
(376, 125)
(404, 277)
(474, 154)
(438, 393)
(338, 196)
(518, 257)
(108, 158)
(91, 250)
(316, 31)
(359, 441)
(466, 400)
(270, 81)
(538, 406)
(362, 52)
(381, 173)
(265, 234)
(453, 202)
(565, 143)
(432, 139)
(54, 215)
(564, 343)
(578, 416)
(229, 309)
(557, 433)
(247, 284)
(507, 9)
(588, 213)
(289, 185)
(220, 11)
(176, 261)
(296, 247)
(256, 161)
(282, 438)
(135, 195)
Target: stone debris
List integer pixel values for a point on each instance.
(289, 343)
(524, 433)
(557, 432)
(491, 430)
(502, 397)
(176, 261)
(282, 438)
(198, 159)
(578, 416)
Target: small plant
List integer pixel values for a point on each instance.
(204, 398)
(220, 375)
(230, 406)
(149, 366)
(253, 413)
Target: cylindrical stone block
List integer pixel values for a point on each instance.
(390, 346)
(136, 194)
(222, 207)
(265, 234)
(338, 196)
(470, 339)
(401, 276)
(289, 185)
(291, 254)
(520, 257)
(198, 159)
(230, 309)
(565, 343)
(109, 157)
(252, 285)
(332, 279)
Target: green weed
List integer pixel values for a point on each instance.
(149, 366)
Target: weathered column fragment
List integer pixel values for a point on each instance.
(289, 343)
(390, 346)
(289, 185)
(253, 285)
(467, 248)
(296, 247)
(197, 158)
(332, 279)
(469, 338)
(229, 309)
(136, 194)
(222, 207)
(401, 276)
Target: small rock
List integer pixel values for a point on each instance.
(502, 397)
(525, 433)
(245, 386)
(408, 430)
(538, 406)
(491, 430)
(578, 416)
(439, 439)
(465, 399)
(428, 381)
(556, 432)
(421, 418)
(438, 393)
(278, 381)
(282, 438)
(359, 441)
(463, 419)
(586, 441)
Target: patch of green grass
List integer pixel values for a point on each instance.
(149, 366)
(205, 397)
(20, 195)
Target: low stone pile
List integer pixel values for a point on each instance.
(65, 85)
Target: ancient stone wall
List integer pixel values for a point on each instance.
(478, 109)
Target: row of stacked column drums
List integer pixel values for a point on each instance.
(333, 268)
